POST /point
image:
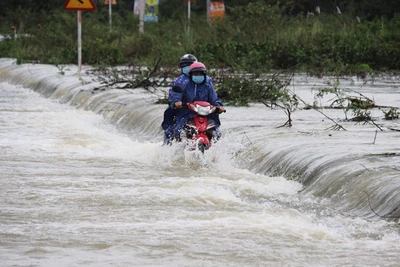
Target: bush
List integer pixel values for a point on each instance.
(254, 38)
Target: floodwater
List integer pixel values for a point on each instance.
(85, 181)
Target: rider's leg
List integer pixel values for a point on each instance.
(169, 115)
(215, 118)
(181, 119)
(217, 122)
(167, 125)
(218, 132)
(168, 135)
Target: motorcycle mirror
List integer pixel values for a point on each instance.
(177, 89)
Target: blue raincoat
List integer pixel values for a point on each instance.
(193, 92)
(170, 113)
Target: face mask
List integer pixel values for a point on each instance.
(185, 70)
(198, 79)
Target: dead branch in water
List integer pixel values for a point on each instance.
(137, 78)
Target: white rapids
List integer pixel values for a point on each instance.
(86, 182)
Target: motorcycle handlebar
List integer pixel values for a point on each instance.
(218, 110)
(186, 107)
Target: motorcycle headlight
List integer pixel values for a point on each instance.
(203, 111)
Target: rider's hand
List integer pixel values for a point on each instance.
(178, 104)
(221, 109)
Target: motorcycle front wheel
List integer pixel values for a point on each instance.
(202, 147)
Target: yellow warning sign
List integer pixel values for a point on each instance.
(79, 5)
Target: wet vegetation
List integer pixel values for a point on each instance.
(256, 37)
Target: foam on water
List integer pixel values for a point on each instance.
(87, 183)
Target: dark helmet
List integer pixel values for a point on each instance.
(187, 60)
(197, 66)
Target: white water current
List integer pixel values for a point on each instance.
(84, 181)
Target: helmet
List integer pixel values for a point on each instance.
(197, 66)
(187, 60)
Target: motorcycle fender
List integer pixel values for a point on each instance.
(201, 123)
(203, 138)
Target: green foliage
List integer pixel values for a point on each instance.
(361, 115)
(255, 37)
(360, 70)
(360, 106)
(340, 98)
(241, 90)
(392, 114)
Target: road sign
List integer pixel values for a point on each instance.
(79, 5)
(113, 2)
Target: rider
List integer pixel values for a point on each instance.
(181, 81)
(199, 88)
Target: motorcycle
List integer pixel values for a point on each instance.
(200, 131)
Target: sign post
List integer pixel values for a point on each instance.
(142, 4)
(189, 17)
(188, 14)
(79, 42)
(110, 3)
(110, 14)
(79, 5)
(208, 11)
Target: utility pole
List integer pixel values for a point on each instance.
(142, 5)
(188, 29)
(109, 14)
(79, 42)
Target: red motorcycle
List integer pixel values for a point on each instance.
(200, 130)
